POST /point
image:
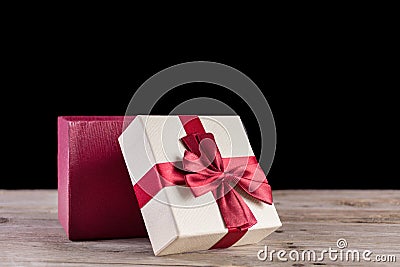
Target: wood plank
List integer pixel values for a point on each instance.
(30, 233)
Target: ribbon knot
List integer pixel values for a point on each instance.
(228, 177)
(206, 171)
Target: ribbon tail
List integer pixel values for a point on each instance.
(231, 205)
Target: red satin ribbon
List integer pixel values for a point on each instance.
(206, 171)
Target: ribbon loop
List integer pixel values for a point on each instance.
(206, 171)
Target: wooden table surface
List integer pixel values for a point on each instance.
(30, 234)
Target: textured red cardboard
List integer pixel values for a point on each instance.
(95, 195)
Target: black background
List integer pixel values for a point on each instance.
(332, 93)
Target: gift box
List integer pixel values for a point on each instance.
(197, 182)
(95, 196)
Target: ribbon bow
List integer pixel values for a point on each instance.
(207, 171)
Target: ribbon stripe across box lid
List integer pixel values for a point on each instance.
(180, 217)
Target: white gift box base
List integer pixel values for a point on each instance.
(175, 219)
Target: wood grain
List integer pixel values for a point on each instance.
(30, 234)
